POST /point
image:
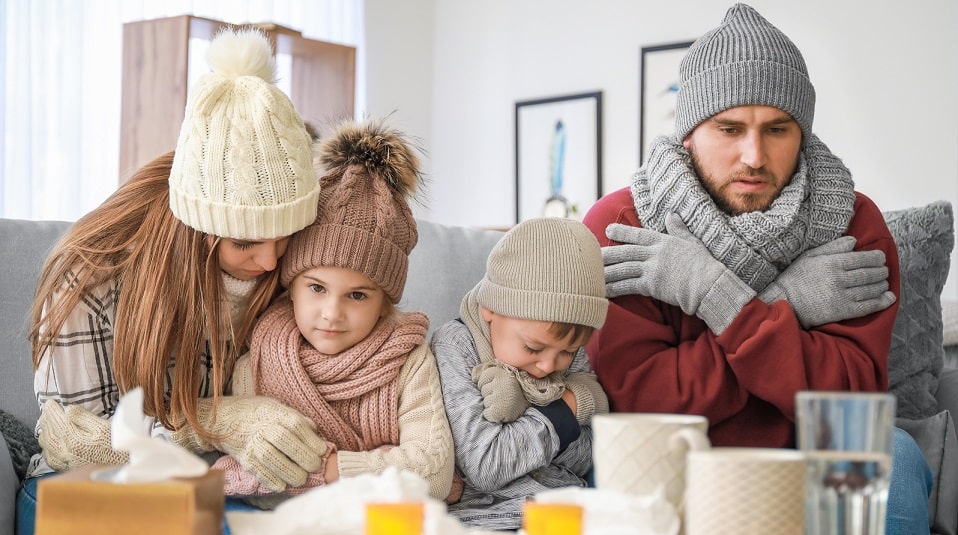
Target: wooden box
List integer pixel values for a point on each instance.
(73, 503)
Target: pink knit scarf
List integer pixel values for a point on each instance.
(352, 396)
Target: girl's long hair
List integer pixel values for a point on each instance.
(171, 296)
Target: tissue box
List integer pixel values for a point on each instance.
(73, 503)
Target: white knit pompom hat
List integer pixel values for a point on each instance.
(243, 163)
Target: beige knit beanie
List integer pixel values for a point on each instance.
(364, 220)
(546, 269)
(243, 163)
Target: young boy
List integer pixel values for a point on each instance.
(515, 378)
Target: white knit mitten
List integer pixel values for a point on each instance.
(74, 437)
(274, 442)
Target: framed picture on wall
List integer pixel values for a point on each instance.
(558, 155)
(659, 84)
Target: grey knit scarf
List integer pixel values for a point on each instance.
(813, 209)
(537, 391)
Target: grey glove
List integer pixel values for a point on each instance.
(502, 394)
(833, 282)
(675, 268)
(75, 437)
(275, 443)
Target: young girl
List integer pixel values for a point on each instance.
(518, 389)
(158, 287)
(334, 346)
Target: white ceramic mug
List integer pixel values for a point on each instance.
(745, 490)
(639, 453)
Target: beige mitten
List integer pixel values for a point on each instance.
(75, 437)
(274, 442)
(589, 396)
(239, 482)
(502, 394)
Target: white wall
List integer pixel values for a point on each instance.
(885, 73)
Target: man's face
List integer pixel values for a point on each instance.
(745, 155)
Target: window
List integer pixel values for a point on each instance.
(60, 96)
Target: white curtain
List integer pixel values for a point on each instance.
(60, 96)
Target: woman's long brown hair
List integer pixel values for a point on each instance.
(171, 298)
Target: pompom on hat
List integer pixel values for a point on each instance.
(364, 221)
(744, 61)
(546, 269)
(243, 162)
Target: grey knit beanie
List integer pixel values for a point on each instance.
(546, 269)
(745, 61)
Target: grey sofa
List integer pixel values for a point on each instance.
(447, 262)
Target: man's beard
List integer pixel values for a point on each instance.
(747, 202)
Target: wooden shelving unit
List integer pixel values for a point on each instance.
(156, 57)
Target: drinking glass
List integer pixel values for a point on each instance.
(847, 438)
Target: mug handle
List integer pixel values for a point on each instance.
(687, 439)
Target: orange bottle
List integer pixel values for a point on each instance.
(552, 518)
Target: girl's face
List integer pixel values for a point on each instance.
(528, 345)
(336, 308)
(248, 259)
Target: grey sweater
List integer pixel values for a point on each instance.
(503, 464)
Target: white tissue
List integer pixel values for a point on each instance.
(340, 508)
(608, 512)
(151, 459)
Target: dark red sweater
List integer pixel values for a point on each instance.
(652, 357)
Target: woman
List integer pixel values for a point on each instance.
(158, 287)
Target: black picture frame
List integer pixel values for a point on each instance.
(566, 129)
(658, 85)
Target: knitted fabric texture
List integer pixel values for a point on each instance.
(744, 61)
(21, 443)
(238, 482)
(546, 269)
(364, 222)
(352, 396)
(243, 163)
(813, 209)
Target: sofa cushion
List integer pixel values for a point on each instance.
(924, 237)
(948, 390)
(445, 264)
(939, 444)
(28, 242)
(21, 442)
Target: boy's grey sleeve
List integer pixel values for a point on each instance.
(489, 455)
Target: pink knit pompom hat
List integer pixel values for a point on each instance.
(364, 222)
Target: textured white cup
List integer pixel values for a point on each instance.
(745, 490)
(638, 453)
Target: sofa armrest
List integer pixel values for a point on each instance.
(9, 486)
